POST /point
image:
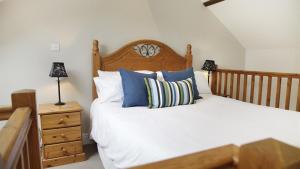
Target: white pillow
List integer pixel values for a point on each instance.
(159, 74)
(144, 71)
(201, 82)
(109, 86)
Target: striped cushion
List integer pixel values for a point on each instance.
(167, 94)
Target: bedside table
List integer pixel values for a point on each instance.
(61, 134)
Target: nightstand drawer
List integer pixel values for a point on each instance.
(63, 149)
(60, 120)
(61, 135)
(63, 160)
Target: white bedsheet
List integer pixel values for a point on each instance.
(138, 135)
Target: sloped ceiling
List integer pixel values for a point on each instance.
(180, 22)
(261, 24)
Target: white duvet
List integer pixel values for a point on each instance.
(138, 135)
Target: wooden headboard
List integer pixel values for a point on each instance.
(140, 55)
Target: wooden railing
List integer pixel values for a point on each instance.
(5, 112)
(19, 141)
(235, 84)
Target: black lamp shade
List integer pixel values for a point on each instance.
(58, 70)
(209, 65)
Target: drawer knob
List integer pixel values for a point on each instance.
(63, 135)
(61, 121)
(64, 150)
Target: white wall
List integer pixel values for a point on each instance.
(276, 60)
(181, 22)
(261, 24)
(27, 28)
(269, 31)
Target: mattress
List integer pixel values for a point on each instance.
(138, 135)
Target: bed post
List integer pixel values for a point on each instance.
(189, 56)
(96, 62)
(214, 79)
(268, 153)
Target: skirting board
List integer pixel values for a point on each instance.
(86, 139)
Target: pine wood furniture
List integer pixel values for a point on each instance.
(19, 141)
(236, 84)
(225, 156)
(264, 154)
(61, 134)
(211, 2)
(126, 57)
(225, 82)
(221, 158)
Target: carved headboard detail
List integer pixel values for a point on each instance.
(140, 55)
(147, 50)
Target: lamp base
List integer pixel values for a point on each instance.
(59, 103)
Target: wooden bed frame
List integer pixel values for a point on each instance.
(227, 82)
(19, 140)
(225, 157)
(263, 154)
(128, 58)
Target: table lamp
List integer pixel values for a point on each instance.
(209, 65)
(58, 70)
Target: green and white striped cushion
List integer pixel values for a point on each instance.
(168, 94)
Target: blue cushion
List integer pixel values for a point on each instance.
(134, 88)
(182, 75)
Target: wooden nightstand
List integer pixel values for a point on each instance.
(61, 134)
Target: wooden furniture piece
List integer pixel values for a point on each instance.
(236, 83)
(130, 57)
(225, 82)
(19, 141)
(5, 112)
(269, 153)
(265, 154)
(221, 158)
(211, 2)
(61, 134)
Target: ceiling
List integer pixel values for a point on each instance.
(261, 24)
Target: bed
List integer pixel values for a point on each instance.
(138, 135)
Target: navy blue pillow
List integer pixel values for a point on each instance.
(134, 88)
(182, 75)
